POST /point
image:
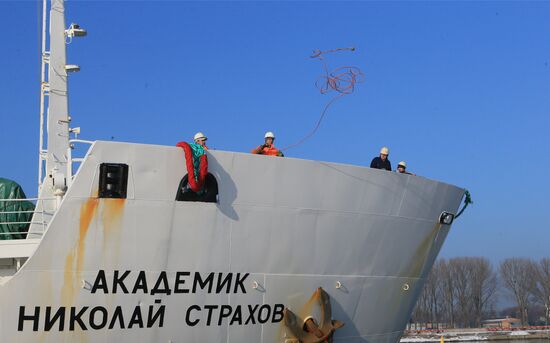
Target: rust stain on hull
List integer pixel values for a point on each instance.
(87, 212)
(75, 257)
(67, 292)
(112, 211)
(112, 219)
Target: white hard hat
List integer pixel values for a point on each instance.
(269, 134)
(403, 164)
(385, 151)
(199, 135)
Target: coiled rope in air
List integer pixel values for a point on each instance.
(467, 201)
(341, 80)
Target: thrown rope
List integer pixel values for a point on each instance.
(341, 80)
(319, 54)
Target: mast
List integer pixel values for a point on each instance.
(58, 103)
(53, 177)
(54, 161)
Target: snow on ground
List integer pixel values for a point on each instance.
(519, 333)
(473, 335)
(446, 338)
(417, 339)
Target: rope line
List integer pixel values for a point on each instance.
(319, 54)
(342, 80)
(312, 132)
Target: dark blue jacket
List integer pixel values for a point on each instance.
(379, 164)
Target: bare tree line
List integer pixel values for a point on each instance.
(463, 291)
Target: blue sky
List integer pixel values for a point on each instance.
(460, 90)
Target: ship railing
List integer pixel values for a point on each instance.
(71, 159)
(40, 216)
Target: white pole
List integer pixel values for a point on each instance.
(42, 85)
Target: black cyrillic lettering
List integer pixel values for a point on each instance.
(103, 321)
(237, 316)
(141, 283)
(119, 281)
(22, 317)
(117, 316)
(251, 311)
(151, 319)
(263, 319)
(179, 282)
(75, 318)
(225, 312)
(278, 313)
(224, 283)
(239, 283)
(50, 321)
(188, 315)
(100, 282)
(164, 280)
(210, 308)
(136, 318)
(203, 283)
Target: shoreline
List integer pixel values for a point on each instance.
(475, 335)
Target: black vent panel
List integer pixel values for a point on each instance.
(113, 180)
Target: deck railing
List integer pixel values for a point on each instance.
(40, 216)
(71, 159)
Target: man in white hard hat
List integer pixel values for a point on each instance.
(268, 148)
(402, 168)
(200, 139)
(382, 161)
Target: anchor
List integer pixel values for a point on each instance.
(309, 331)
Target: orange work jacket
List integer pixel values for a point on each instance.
(271, 151)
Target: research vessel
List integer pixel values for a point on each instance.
(116, 252)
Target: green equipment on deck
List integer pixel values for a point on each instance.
(15, 215)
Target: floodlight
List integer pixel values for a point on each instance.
(71, 68)
(446, 218)
(75, 31)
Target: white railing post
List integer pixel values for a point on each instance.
(69, 165)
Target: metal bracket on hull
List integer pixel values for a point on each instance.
(309, 331)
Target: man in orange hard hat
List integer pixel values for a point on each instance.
(268, 148)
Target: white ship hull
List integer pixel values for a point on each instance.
(281, 229)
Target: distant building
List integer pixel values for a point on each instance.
(413, 326)
(504, 323)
